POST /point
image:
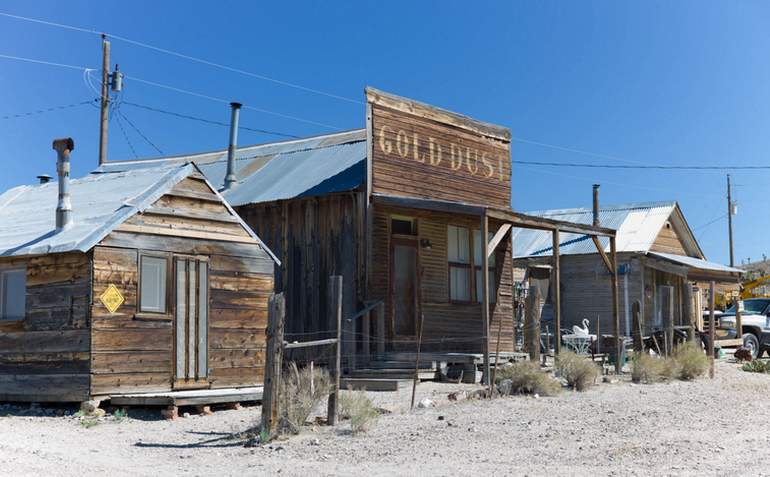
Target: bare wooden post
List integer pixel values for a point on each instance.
(532, 319)
(381, 329)
(497, 358)
(547, 345)
(712, 329)
(273, 364)
(365, 335)
(335, 311)
(687, 309)
(485, 292)
(636, 311)
(417, 360)
(556, 286)
(738, 317)
(616, 308)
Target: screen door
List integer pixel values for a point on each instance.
(191, 321)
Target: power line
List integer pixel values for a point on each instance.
(207, 121)
(125, 136)
(187, 57)
(46, 110)
(43, 62)
(120, 113)
(647, 166)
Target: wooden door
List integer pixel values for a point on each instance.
(404, 287)
(191, 322)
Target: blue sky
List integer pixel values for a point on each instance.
(659, 82)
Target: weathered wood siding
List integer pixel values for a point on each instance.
(133, 354)
(448, 326)
(668, 241)
(314, 237)
(45, 356)
(415, 154)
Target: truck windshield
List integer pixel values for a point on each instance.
(751, 306)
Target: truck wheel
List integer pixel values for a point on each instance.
(751, 343)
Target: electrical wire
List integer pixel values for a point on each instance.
(43, 62)
(186, 57)
(120, 113)
(207, 121)
(125, 136)
(646, 166)
(46, 110)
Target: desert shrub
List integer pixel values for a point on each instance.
(579, 372)
(359, 409)
(647, 369)
(296, 398)
(527, 378)
(757, 366)
(691, 361)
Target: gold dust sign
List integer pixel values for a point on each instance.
(427, 150)
(111, 298)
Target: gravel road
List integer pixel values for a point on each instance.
(682, 428)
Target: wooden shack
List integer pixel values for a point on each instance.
(413, 212)
(155, 285)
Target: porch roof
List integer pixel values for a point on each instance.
(698, 269)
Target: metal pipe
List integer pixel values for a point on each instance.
(63, 147)
(596, 205)
(231, 177)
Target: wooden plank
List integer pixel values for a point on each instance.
(131, 362)
(45, 341)
(143, 229)
(373, 384)
(189, 194)
(191, 214)
(556, 287)
(498, 237)
(602, 254)
(117, 383)
(44, 387)
(485, 298)
(274, 364)
(334, 299)
(541, 223)
(190, 246)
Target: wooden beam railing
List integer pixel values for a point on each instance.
(365, 337)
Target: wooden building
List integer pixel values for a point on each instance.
(660, 264)
(413, 212)
(152, 283)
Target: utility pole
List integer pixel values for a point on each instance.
(103, 118)
(730, 219)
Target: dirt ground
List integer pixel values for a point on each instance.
(681, 428)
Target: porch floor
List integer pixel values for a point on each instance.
(197, 397)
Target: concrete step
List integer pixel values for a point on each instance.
(373, 384)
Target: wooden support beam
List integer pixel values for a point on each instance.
(602, 254)
(619, 352)
(273, 364)
(485, 298)
(498, 237)
(687, 309)
(532, 323)
(335, 312)
(556, 287)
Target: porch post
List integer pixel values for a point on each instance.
(556, 287)
(485, 293)
(616, 308)
(687, 308)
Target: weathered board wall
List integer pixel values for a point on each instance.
(45, 356)
(448, 326)
(668, 241)
(425, 152)
(314, 237)
(130, 353)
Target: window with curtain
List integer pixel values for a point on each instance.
(458, 255)
(478, 246)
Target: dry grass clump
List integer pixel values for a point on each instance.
(527, 378)
(579, 372)
(691, 361)
(359, 409)
(298, 398)
(648, 370)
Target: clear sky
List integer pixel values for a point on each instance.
(660, 82)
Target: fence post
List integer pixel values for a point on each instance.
(273, 365)
(335, 312)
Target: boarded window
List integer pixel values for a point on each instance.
(152, 279)
(458, 256)
(478, 247)
(13, 294)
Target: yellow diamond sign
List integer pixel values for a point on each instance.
(111, 298)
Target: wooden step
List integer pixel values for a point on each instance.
(391, 373)
(381, 364)
(373, 384)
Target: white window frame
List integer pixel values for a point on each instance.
(3, 273)
(164, 309)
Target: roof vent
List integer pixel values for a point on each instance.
(231, 177)
(44, 178)
(63, 148)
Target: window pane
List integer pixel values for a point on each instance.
(14, 297)
(478, 246)
(460, 279)
(480, 286)
(153, 286)
(458, 246)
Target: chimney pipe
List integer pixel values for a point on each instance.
(63, 148)
(231, 178)
(596, 206)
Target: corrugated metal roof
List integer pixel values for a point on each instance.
(100, 202)
(275, 171)
(637, 227)
(696, 262)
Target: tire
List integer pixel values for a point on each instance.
(751, 343)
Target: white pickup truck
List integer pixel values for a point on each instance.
(755, 324)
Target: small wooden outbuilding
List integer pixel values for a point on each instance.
(136, 282)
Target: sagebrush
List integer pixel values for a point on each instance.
(528, 378)
(647, 369)
(691, 361)
(579, 372)
(301, 391)
(757, 366)
(359, 409)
